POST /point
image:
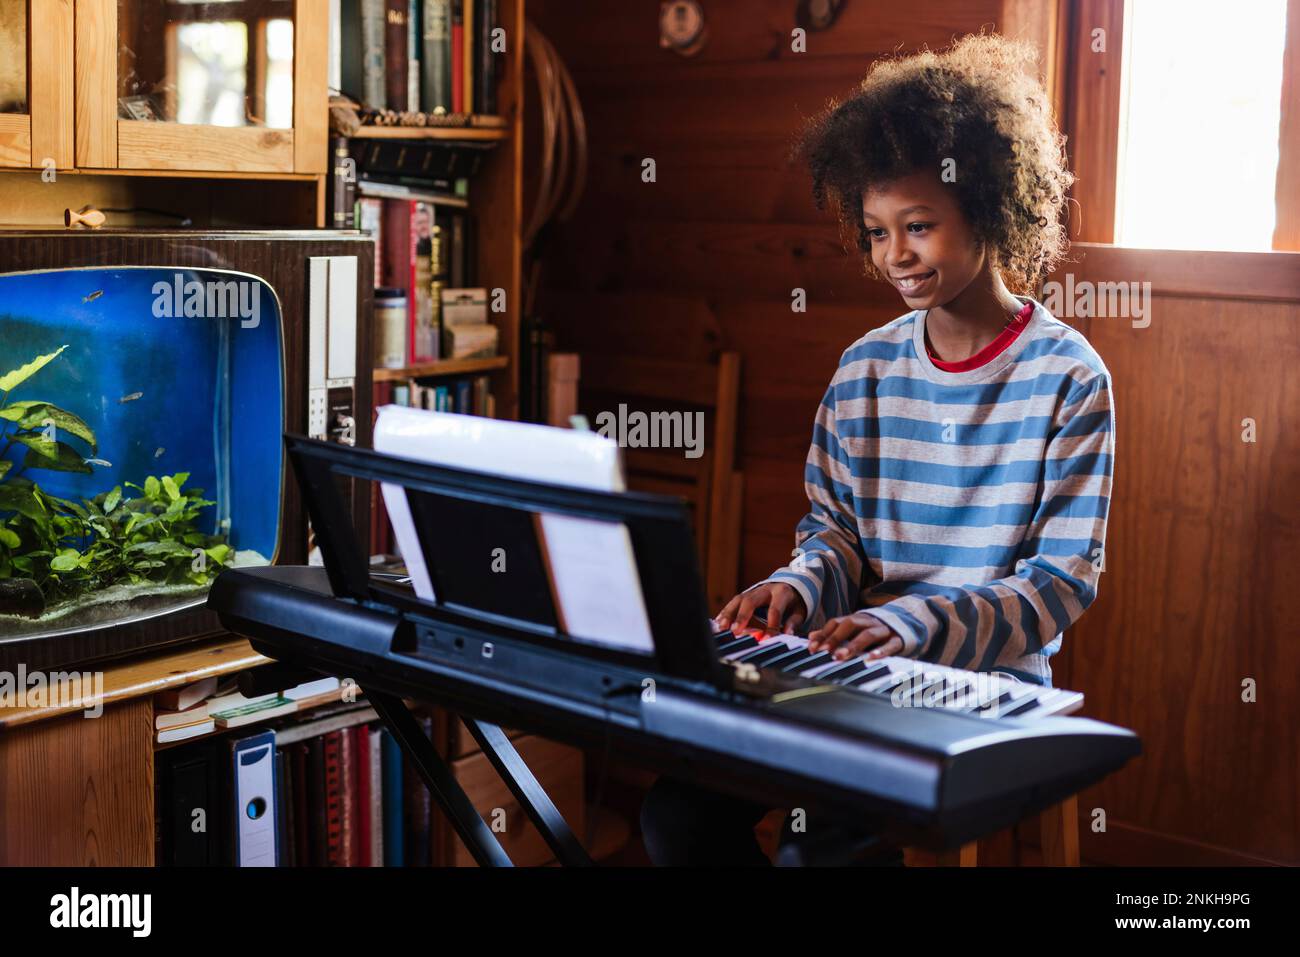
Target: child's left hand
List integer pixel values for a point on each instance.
(851, 635)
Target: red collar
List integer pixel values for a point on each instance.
(993, 349)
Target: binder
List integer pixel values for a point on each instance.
(255, 800)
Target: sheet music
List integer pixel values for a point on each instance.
(597, 589)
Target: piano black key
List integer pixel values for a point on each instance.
(847, 670)
(1028, 705)
(764, 653)
(871, 674)
(785, 664)
(788, 658)
(739, 644)
(816, 661)
(720, 638)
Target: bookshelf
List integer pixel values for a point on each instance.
(443, 367)
(50, 758)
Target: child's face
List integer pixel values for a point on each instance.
(920, 240)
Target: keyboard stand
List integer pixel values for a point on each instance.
(478, 838)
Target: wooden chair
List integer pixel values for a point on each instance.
(711, 483)
(1059, 830)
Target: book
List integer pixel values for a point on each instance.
(318, 801)
(254, 711)
(373, 31)
(370, 219)
(284, 810)
(395, 69)
(376, 796)
(361, 789)
(333, 800)
(301, 814)
(467, 57)
(457, 56)
(347, 797)
(162, 720)
(413, 55)
(310, 689)
(233, 699)
(185, 731)
(186, 696)
(435, 66)
(189, 816)
(394, 829)
(485, 90)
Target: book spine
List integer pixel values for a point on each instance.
(487, 64)
(372, 54)
(376, 797)
(351, 51)
(361, 787)
(467, 57)
(437, 283)
(395, 72)
(457, 244)
(457, 57)
(435, 68)
(319, 811)
(333, 802)
(301, 814)
(413, 55)
(394, 836)
(283, 809)
(347, 799)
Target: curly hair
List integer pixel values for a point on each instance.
(977, 103)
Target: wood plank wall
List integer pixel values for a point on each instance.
(706, 258)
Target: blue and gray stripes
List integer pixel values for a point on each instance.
(965, 510)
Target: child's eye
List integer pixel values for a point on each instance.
(917, 227)
(875, 232)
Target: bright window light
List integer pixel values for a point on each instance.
(1199, 120)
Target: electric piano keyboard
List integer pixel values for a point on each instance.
(904, 682)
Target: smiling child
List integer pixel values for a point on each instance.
(960, 468)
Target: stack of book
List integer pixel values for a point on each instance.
(344, 796)
(430, 56)
(209, 705)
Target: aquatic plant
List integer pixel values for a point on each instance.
(53, 549)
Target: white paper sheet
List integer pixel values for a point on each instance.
(598, 590)
(596, 584)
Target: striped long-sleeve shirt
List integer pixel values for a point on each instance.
(966, 510)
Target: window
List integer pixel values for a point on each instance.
(1200, 114)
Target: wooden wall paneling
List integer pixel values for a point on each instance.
(96, 84)
(310, 86)
(1286, 235)
(78, 791)
(1094, 81)
(50, 74)
(1043, 23)
(499, 209)
(1201, 587)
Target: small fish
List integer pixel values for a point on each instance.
(159, 453)
(93, 296)
(130, 398)
(100, 462)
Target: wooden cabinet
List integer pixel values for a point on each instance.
(234, 86)
(36, 84)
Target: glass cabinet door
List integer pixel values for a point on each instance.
(36, 100)
(226, 85)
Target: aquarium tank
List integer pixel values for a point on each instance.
(141, 414)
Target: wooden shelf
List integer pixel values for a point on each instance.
(478, 133)
(442, 367)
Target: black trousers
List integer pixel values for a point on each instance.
(684, 825)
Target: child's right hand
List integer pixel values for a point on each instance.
(785, 610)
